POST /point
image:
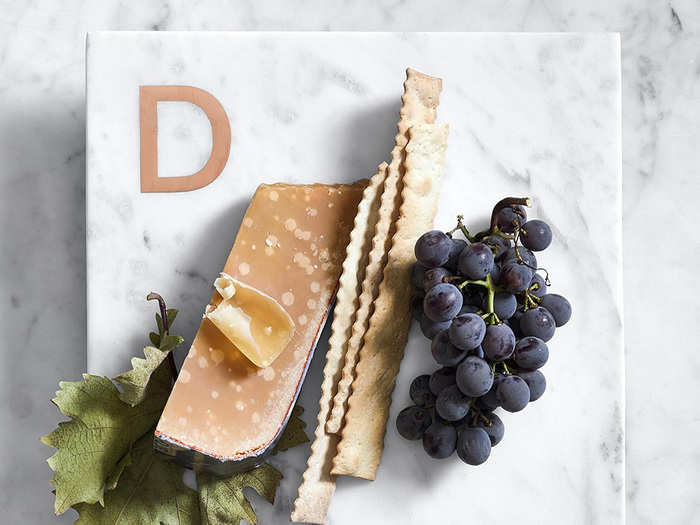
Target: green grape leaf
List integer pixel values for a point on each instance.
(101, 431)
(222, 502)
(155, 339)
(146, 377)
(151, 491)
(294, 433)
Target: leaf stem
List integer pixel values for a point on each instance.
(153, 296)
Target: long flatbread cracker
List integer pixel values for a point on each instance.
(360, 448)
(420, 100)
(317, 484)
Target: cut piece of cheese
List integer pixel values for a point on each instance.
(253, 321)
(225, 413)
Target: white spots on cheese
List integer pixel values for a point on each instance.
(315, 287)
(311, 304)
(184, 376)
(214, 394)
(290, 224)
(302, 235)
(268, 330)
(248, 222)
(232, 383)
(330, 204)
(311, 212)
(244, 268)
(268, 373)
(217, 356)
(256, 418)
(239, 388)
(274, 196)
(269, 251)
(303, 262)
(240, 406)
(252, 247)
(288, 298)
(307, 198)
(323, 256)
(182, 421)
(202, 362)
(272, 241)
(326, 266)
(302, 320)
(189, 409)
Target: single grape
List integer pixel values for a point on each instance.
(444, 352)
(468, 309)
(513, 393)
(499, 245)
(536, 235)
(526, 255)
(433, 248)
(489, 401)
(431, 328)
(509, 217)
(495, 273)
(537, 285)
(530, 353)
(451, 404)
(412, 422)
(558, 306)
(434, 276)
(442, 302)
(473, 445)
(439, 440)
(499, 342)
(475, 261)
(420, 391)
(504, 305)
(494, 428)
(538, 322)
(515, 277)
(474, 377)
(417, 275)
(467, 331)
(457, 246)
(441, 379)
(536, 382)
(417, 307)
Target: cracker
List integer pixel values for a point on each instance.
(360, 448)
(317, 485)
(419, 105)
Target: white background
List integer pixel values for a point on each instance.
(42, 264)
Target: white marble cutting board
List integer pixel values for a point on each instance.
(535, 115)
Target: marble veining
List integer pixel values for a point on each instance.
(42, 290)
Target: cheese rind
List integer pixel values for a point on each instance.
(224, 413)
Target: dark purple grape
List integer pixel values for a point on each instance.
(538, 322)
(442, 302)
(512, 393)
(495, 273)
(444, 352)
(457, 246)
(536, 382)
(467, 331)
(417, 275)
(420, 391)
(440, 440)
(434, 276)
(536, 235)
(558, 306)
(412, 422)
(474, 377)
(504, 305)
(451, 404)
(530, 353)
(537, 285)
(441, 379)
(417, 307)
(507, 218)
(473, 445)
(494, 428)
(499, 342)
(433, 248)
(431, 328)
(475, 261)
(526, 255)
(499, 245)
(515, 277)
(489, 401)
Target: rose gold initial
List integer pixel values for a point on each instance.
(149, 96)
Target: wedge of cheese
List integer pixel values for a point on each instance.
(228, 408)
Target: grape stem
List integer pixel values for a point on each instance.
(461, 227)
(490, 316)
(164, 316)
(506, 203)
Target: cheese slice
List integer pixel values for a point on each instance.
(227, 409)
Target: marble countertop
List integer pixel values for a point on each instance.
(42, 205)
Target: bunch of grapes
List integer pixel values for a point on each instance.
(485, 305)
